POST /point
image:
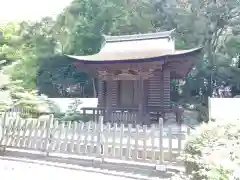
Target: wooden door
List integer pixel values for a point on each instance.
(128, 93)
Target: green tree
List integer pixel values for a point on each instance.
(25, 43)
(85, 21)
(210, 24)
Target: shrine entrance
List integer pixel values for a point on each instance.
(128, 93)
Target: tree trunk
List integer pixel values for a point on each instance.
(210, 89)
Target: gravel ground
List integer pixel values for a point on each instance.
(14, 170)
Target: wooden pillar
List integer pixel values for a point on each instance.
(141, 100)
(109, 101)
(114, 90)
(161, 84)
(100, 93)
(166, 89)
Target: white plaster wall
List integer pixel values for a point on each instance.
(63, 103)
(224, 108)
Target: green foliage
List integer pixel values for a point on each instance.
(78, 29)
(212, 151)
(203, 113)
(73, 106)
(13, 95)
(72, 113)
(211, 24)
(86, 20)
(73, 117)
(55, 75)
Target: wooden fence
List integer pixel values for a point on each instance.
(140, 143)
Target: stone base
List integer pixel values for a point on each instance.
(97, 161)
(2, 151)
(161, 168)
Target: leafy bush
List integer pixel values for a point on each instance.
(203, 113)
(59, 115)
(72, 113)
(212, 151)
(13, 96)
(72, 117)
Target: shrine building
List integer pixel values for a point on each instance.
(134, 74)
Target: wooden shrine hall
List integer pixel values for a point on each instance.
(134, 74)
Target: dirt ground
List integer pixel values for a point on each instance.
(13, 170)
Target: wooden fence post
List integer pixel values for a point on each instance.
(49, 135)
(84, 114)
(160, 165)
(99, 158)
(100, 137)
(2, 126)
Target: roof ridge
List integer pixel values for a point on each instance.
(144, 36)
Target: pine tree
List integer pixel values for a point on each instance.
(14, 96)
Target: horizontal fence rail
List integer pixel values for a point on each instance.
(153, 144)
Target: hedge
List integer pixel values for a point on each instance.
(212, 152)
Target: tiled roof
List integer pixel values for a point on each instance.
(120, 56)
(164, 34)
(137, 47)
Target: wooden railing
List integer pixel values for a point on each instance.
(118, 115)
(154, 144)
(130, 115)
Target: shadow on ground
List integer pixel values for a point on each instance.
(129, 171)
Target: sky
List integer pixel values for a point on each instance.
(18, 10)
